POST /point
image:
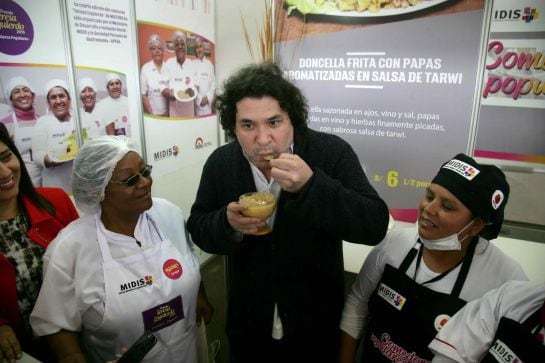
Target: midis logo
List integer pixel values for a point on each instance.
(166, 153)
(503, 353)
(391, 296)
(135, 284)
(464, 169)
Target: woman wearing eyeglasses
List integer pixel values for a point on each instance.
(124, 268)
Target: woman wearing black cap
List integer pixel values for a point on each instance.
(414, 280)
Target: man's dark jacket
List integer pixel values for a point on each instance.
(300, 265)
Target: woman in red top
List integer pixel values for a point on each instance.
(29, 219)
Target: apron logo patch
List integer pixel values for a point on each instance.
(394, 352)
(463, 169)
(136, 284)
(502, 353)
(172, 269)
(391, 296)
(164, 315)
(440, 321)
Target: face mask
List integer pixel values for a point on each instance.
(449, 243)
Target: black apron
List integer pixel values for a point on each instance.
(405, 316)
(516, 342)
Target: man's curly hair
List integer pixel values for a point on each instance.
(256, 81)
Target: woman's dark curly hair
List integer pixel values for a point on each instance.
(256, 81)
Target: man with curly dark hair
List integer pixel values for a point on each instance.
(286, 288)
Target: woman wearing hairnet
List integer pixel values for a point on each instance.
(414, 280)
(115, 107)
(90, 111)
(124, 268)
(53, 137)
(21, 121)
(154, 79)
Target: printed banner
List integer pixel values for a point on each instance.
(106, 72)
(38, 100)
(176, 44)
(103, 76)
(397, 83)
(512, 114)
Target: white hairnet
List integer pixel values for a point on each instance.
(93, 168)
(178, 33)
(154, 38)
(111, 76)
(15, 82)
(86, 82)
(55, 83)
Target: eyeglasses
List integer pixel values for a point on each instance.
(134, 179)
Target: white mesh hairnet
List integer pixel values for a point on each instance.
(93, 168)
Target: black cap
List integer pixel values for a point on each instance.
(482, 188)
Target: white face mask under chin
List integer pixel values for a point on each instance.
(449, 243)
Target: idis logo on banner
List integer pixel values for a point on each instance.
(527, 14)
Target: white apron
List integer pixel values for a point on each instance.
(153, 290)
(116, 110)
(58, 176)
(22, 137)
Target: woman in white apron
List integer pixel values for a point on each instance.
(206, 80)
(90, 110)
(415, 280)
(505, 325)
(124, 268)
(154, 79)
(21, 122)
(115, 107)
(54, 137)
(181, 74)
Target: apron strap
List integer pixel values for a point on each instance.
(464, 270)
(436, 278)
(15, 124)
(543, 314)
(460, 280)
(408, 260)
(534, 320)
(101, 240)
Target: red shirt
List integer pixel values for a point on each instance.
(43, 229)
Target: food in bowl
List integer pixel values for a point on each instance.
(260, 204)
(185, 94)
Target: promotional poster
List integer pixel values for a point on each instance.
(397, 83)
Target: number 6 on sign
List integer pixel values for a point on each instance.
(392, 179)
